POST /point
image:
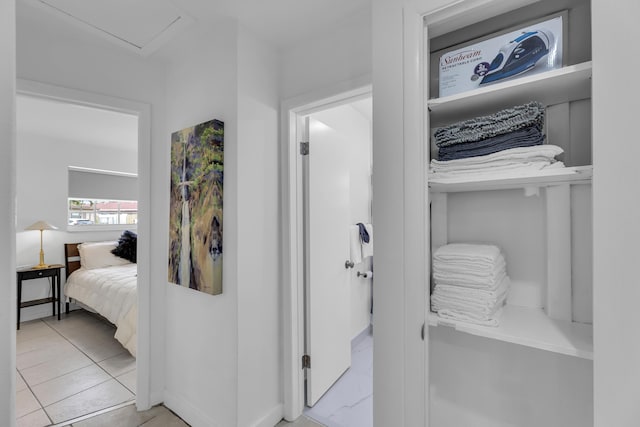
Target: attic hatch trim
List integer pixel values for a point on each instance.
(181, 21)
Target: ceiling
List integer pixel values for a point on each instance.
(282, 22)
(364, 107)
(144, 26)
(76, 123)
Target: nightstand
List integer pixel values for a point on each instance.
(52, 272)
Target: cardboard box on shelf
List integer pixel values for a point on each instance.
(532, 49)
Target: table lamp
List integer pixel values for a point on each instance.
(41, 225)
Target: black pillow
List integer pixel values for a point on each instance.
(127, 246)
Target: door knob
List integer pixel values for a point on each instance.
(348, 264)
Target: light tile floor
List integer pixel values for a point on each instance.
(70, 368)
(349, 402)
(158, 416)
(300, 422)
(127, 416)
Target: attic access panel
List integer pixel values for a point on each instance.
(142, 26)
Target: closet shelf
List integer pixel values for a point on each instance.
(570, 175)
(570, 83)
(531, 327)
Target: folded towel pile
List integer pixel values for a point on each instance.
(508, 163)
(526, 137)
(471, 283)
(502, 122)
(488, 142)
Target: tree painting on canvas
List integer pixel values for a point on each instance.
(195, 211)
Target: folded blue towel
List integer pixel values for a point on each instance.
(502, 122)
(526, 137)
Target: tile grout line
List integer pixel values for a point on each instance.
(97, 363)
(156, 416)
(111, 377)
(71, 395)
(124, 385)
(67, 340)
(94, 414)
(75, 370)
(34, 396)
(44, 408)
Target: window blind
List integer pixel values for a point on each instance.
(89, 184)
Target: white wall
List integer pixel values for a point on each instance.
(341, 54)
(259, 298)
(41, 186)
(223, 352)
(616, 203)
(357, 132)
(53, 53)
(202, 330)
(390, 332)
(208, 368)
(7, 213)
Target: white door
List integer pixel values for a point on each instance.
(327, 286)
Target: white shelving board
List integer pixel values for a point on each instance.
(565, 84)
(530, 327)
(570, 175)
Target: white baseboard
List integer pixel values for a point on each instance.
(37, 312)
(197, 418)
(44, 310)
(156, 398)
(185, 410)
(368, 330)
(272, 417)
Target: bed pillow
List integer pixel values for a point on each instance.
(127, 246)
(98, 255)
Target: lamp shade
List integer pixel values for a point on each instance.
(41, 225)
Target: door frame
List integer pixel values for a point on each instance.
(292, 214)
(143, 112)
(399, 90)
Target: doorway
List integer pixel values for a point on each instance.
(42, 95)
(332, 288)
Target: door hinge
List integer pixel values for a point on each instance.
(306, 361)
(304, 148)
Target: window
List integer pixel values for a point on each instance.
(102, 212)
(98, 199)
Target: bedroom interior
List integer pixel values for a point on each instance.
(72, 364)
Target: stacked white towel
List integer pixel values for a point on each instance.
(471, 283)
(514, 162)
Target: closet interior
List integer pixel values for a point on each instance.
(534, 365)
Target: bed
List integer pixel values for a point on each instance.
(105, 284)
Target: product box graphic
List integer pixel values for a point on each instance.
(526, 51)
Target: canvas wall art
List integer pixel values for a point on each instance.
(195, 212)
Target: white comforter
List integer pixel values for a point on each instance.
(111, 292)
